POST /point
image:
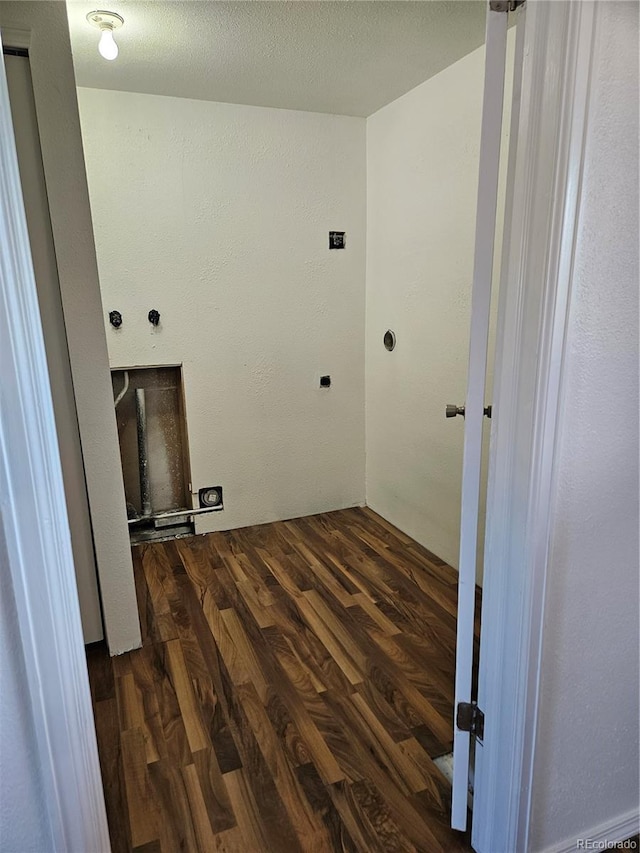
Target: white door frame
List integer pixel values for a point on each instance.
(535, 290)
(36, 528)
(545, 171)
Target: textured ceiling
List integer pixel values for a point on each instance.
(348, 58)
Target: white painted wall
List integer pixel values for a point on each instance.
(422, 178)
(586, 767)
(58, 124)
(218, 215)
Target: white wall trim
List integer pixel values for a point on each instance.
(612, 832)
(545, 178)
(33, 510)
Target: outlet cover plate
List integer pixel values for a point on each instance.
(337, 240)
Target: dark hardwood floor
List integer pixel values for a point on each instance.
(295, 683)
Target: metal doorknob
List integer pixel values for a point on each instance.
(452, 410)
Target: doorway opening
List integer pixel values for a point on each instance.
(341, 473)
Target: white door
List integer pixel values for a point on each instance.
(496, 47)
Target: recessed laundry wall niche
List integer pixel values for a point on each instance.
(152, 432)
(218, 217)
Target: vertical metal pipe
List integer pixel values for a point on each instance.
(143, 452)
(125, 388)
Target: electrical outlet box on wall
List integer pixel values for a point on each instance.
(323, 381)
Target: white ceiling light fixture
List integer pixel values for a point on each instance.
(106, 22)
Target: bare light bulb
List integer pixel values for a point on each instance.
(107, 47)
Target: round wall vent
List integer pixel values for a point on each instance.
(389, 340)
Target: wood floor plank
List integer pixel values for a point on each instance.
(111, 765)
(427, 577)
(416, 829)
(148, 627)
(371, 514)
(397, 729)
(291, 579)
(449, 840)
(321, 802)
(419, 697)
(252, 831)
(151, 723)
(244, 659)
(200, 560)
(190, 711)
(176, 829)
(304, 709)
(399, 762)
(399, 576)
(151, 847)
(333, 636)
(308, 715)
(336, 550)
(422, 679)
(373, 611)
(200, 817)
(327, 549)
(259, 603)
(365, 837)
(100, 670)
(164, 627)
(288, 731)
(434, 784)
(267, 777)
(308, 646)
(130, 712)
(397, 544)
(172, 724)
(143, 822)
(214, 790)
(321, 568)
(303, 677)
(294, 684)
(376, 815)
(229, 841)
(209, 691)
(308, 828)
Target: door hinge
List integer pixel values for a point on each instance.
(505, 5)
(469, 718)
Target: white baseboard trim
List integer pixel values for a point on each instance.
(603, 836)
